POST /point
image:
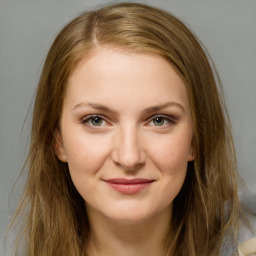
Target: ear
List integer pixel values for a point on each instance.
(193, 152)
(59, 147)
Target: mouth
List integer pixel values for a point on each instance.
(129, 186)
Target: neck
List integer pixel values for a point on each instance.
(145, 238)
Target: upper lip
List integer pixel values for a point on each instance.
(129, 181)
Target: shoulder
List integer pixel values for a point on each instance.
(247, 238)
(247, 248)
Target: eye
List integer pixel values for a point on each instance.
(94, 120)
(161, 120)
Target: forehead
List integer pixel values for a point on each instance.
(112, 72)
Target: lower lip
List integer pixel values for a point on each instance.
(129, 189)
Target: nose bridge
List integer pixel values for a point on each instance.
(128, 149)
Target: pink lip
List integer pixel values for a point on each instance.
(129, 186)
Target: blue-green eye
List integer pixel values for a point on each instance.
(94, 121)
(161, 120)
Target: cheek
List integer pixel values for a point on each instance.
(85, 157)
(86, 154)
(171, 154)
(171, 160)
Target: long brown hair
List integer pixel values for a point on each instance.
(207, 205)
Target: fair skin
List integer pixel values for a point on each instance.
(126, 134)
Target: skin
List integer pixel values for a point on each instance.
(129, 138)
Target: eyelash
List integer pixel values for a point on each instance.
(89, 118)
(167, 119)
(170, 120)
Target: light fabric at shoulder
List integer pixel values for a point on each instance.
(248, 248)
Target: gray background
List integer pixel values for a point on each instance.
(27, 28)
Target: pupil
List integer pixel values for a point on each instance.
(159, 121)
(96, 121)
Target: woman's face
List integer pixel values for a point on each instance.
(126, 134)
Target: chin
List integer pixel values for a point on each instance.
(131, 215)
(130, 219)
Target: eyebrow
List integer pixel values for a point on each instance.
(162, 106)
(95, 106)
(147, 110)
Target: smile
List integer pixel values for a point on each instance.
(129, 187)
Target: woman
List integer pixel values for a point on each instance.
(131, 150)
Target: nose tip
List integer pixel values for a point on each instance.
(130, 167)
(128, 152)
(129, 157)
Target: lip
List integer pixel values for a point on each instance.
(129, 186)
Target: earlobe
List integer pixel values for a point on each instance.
(193, 151)
(192, 156)
(59, 147)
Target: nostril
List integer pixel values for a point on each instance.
(129, 161)
(127, 151)
(130, 168)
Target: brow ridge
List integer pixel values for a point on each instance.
(147, 110)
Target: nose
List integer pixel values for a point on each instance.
(128, 152)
